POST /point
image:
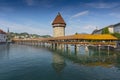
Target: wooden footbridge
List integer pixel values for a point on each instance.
(78, 39)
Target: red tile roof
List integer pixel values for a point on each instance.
(58, 20)
(2, 32)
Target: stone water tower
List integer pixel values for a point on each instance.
(58, 26)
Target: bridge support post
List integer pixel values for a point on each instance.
(40, 43)
(76, 48)
(86, 48)
(68, 48)
(55, 46)
(58, 46)
(43, 44)
(99, 49)
(52, 46)
(108, 49)
(62, 47)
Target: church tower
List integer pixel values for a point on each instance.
(58, 26)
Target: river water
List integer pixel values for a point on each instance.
(20, 62)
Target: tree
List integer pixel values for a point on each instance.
(76, 33)
(116, 35)
(105, 31)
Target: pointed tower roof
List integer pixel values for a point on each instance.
(58, 20)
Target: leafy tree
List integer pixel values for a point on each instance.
(105, 31)
(116, 35)
(76, 33)
(24, 33)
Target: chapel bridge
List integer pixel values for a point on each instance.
(60, 40)
(78, 39)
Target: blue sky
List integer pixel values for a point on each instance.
(36, 16)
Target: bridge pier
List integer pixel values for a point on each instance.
(58, 46)
(76, 48)
(86, 48)
(108, 50)
(99, 48)
(54, 46)
(67, 47)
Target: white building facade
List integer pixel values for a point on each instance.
(117, 28)
(3, 36)
(112, 29)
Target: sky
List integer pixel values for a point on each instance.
(36, 16)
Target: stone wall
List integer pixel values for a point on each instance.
(58, 31)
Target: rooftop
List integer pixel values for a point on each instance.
(2, 32)
(86, 37)
(110, 26)
(58, 20)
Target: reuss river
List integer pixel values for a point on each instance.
(20, 62)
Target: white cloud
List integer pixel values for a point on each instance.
(102, 5)
(15, 27)
(80, 14)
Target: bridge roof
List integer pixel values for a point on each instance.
(86, 37)
(97, 37)
(58, 20)
(75, 37)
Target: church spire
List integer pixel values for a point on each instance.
(8, 30)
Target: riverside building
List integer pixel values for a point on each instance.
(3, 36)
(112, 29)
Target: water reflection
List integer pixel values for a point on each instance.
(117, 64)
(38, 63)
(4, 51)
(91, 57)
(58, 62)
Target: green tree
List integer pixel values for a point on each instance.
(76, 33)
(105, 31)
(116, 35)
